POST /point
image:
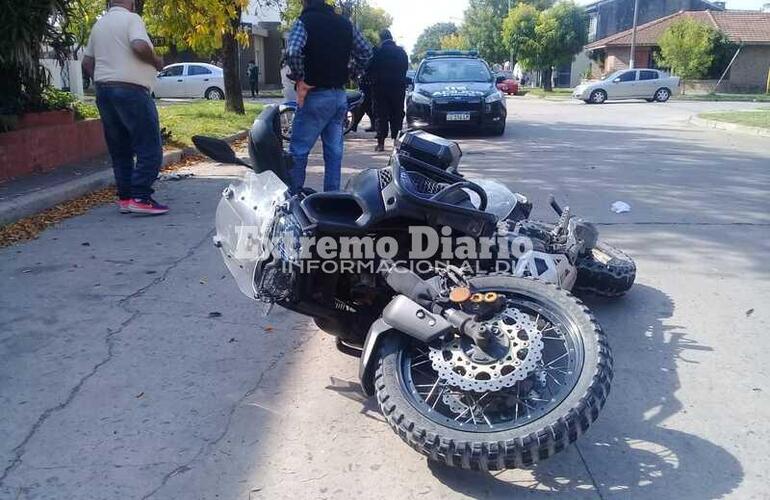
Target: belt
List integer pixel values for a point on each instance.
(327, 88)
(125, 85)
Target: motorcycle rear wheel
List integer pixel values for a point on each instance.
(605, 271)
(485, 445)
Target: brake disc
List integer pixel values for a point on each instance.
(454, 360)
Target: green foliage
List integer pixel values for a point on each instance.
(196, 24)
(83, 18)
(85, 110)
(544, 39)
(455, 42)
(55, 99)
(372, 20)
(519, 35)
(430, 39)
(563, 32)
(723, 52)
(687, 48)
(482, 27)
(26, 28)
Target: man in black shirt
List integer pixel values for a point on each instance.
(388, 72)
(320, 48)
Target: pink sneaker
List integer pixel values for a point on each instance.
(146, 206)
(123, 206)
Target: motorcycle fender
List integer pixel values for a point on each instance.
(402, 316)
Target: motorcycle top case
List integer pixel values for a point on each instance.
(431, 149)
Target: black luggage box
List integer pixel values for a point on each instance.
(431, 149)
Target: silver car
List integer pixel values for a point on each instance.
(190, 80)
(649, 84)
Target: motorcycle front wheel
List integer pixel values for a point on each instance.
(514, 412)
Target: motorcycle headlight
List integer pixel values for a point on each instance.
(494, 97)
(419, 98)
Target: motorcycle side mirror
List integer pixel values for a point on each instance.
(217, 150)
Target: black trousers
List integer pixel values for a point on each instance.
(389, 109)
(364, 109)
(254, 84)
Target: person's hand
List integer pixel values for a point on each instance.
(302, 91)
(158, 63)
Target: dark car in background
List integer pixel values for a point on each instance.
(456, 89)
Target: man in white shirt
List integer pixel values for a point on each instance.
(122, 62)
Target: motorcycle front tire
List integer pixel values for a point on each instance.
(513, 448)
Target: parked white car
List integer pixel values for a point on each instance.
(190, 80)
(649, 84)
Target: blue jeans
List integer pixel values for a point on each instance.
(131, 128)
(322, 115)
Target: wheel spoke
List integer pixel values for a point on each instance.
(447, 399)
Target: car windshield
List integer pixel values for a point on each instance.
(454, 70)
(613, 75)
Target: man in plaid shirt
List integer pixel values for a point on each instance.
(324, 49)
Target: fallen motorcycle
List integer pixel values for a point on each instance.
(473, 366)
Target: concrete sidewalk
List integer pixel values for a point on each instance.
(33, 194)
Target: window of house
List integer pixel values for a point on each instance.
(648, 75)
(592, 24)
(198, 70)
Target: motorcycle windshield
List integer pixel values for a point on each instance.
(243, 223)
(500, 200)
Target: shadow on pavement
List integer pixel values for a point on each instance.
(628, 452)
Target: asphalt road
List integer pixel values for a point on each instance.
(131, 366)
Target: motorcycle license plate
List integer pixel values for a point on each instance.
(458, 117)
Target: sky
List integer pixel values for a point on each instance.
(410, 17)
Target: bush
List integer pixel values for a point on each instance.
(53, 99)
(692, 50)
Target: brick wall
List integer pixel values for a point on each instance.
(44, 148)
(749, 72)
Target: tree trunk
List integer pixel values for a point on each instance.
(231, 70)
(548, 79)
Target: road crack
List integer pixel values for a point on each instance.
(590, 474)
(209, 445)
(20, 449)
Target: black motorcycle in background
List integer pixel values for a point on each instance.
(476, 368)
(288, 109)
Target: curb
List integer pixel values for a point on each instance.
(730, 127)
(36, 201)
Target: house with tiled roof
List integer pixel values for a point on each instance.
(608, 17)
(749, 30)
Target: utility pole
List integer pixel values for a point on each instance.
(632, 59)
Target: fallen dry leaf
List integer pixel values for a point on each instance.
(30, 227)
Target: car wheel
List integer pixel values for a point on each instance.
(499, 130)
(214, 94)
(662, 95)
(598, 96)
